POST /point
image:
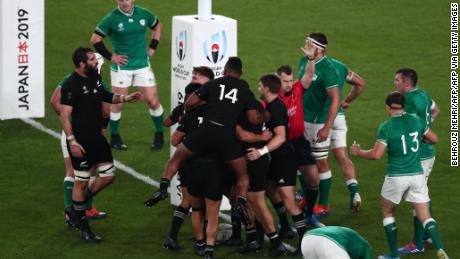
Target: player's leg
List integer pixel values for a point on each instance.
(238, 166)
(340, 151)
(212, 214)
(285, 231)
(91, 211)
(320, 152)
(180, 213)
(392, 191)
(197, 223)
(121, 80)
(68, 181)
(181, 154)
(144, 79)
(418, 196)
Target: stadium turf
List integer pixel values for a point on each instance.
(374, 38)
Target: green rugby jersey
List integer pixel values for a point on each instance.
(315, 98)
(342, 72)
(356, 246)
(61, 83)
(419, 102)
(402, 134)
(127, 32)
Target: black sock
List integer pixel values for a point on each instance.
(282, 214)
(200, 243)
(236, 225)
(78, 214)
(251, 234)
(260, 232)
(179, 216)
(299, 224)
(312, 195)
(241, 200)
(274, 239)
(164, 184)
(88, 194)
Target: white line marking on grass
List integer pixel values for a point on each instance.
(129, 170)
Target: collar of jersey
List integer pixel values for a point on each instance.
(319, 60)
(126, 14)
(413, 89)
(398, 115)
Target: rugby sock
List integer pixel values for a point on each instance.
(312, 195)
(418, 231)
(251, 234)
(299, 224)
(282, 215)
(78, 214)
(324, 188)
(260, 232)
(303, 185)
(157, 118)
(431, 227)
(179, 216)
(88, 194)
(68, 187)
(353, 188)
(389, 225)
(236, 225)
(274, 239)
(89, 202)
(114, 122)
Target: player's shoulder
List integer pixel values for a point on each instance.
(63, 80)
(337, 63)
(141, 10)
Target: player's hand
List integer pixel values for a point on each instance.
(119, 59)
(266, 135)
(155, 198)
(355, 148)
(322, 135)
(345, 105)
(252, 154)
(309, 50)
(76, 149)
(150, 52)
(134, 97)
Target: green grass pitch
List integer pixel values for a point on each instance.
(374, 38)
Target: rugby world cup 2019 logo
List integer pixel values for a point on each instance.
(181, 45)
(215, 48)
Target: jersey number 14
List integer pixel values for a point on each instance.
(230, 95)
(414, 148)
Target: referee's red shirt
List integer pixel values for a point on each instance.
(293, 102)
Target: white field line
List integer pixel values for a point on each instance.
(122, 167)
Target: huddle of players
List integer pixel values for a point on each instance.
(230, 127)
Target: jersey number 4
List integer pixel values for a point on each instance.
(230, 95)
(414, 148)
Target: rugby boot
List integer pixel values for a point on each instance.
(94, 213)
(117, 143)
(158, 141)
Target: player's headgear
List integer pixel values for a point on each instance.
(318, 39)
(100, 62)
(395, 100)
(234, 64)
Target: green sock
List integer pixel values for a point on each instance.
(324, 188)
(158, 122)
(68, 187)
(418, 232)
(390, 231)
(114, 126)
(303, 185)
(353, 187)
(432, 228)
(89, 204)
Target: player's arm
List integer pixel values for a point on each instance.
(435, 110)
(176, 137)
(275, 142)
(156, 35)
(358, 86)
(55, 100)
(250, 137)
(192, 102)
(131, 98)
(372, 154)
(430, 137)
(97, 41)
(65, 114)
(334, 95)
(310, 52)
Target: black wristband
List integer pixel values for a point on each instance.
(154, 43)
(164, 184)
(101, 49)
